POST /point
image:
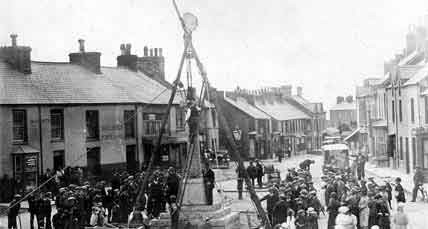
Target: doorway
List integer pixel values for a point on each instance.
(131, 158)
(58, 160)
(93, 158)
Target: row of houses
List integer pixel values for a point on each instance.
(273, 121)
(80, 113)
(393, 110)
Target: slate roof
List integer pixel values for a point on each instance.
(281, 110)
(241, 104)
(420, 75)
(65, 83)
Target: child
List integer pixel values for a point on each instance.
(301, 219)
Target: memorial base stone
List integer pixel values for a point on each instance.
(203, 216)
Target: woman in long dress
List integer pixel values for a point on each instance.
(332, 208)
(400, 219)
(345, 220)
(364, 210)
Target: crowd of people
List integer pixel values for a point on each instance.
(347, 199)
(81, 202)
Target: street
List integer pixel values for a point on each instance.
(416, 211)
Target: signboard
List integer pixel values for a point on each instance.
(30, 163)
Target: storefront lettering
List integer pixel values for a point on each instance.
(112, 127)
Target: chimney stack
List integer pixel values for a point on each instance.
(152, 64)
(299, 91)
(89, 60)
(411, 40)
(128, 49)
(18, 57)
(13, 37)
(126, 59)
(146, 51)
(81, 45)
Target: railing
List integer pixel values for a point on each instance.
(152, 127)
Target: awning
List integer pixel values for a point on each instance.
(352, 134)
(333, 147)
(379, 123)
(25, 149)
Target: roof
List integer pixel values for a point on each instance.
(65, 83)
(304, 102)
(420, 75)
(408, 58)
(407, 72)
(344, 106)
(282, 110)
(244, 106)
(24, 149)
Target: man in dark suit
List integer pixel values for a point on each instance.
(209, 179)
(418, 179)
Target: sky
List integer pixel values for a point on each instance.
(327, 47)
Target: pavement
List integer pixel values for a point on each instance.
(391, 174)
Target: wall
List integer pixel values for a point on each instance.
(342, 116)
(112, 140)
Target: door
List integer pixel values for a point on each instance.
(93, 161)
(58, 160)
(131, 158)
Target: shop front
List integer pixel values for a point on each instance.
(421, 135)
(25, 167)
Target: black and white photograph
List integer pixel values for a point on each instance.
(214, 114)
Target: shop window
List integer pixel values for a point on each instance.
(129, 122)
(57, 125)
(180, 119)
(92, 125)
(19, 127)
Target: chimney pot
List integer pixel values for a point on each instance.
(13, 37)
(122, 49)
(299, 91)
(160, 52)
(146, 51)
(151, 52)
(81, 45)
(156, 51)
(128, 49)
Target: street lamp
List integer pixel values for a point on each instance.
(237, 134)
